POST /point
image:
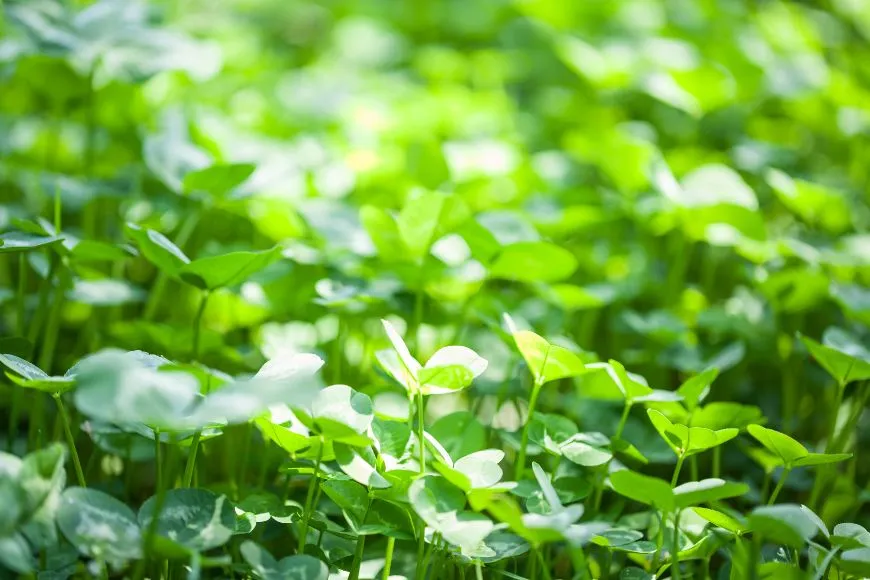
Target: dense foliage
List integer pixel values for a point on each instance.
(434, 289)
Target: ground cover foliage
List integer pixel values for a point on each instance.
(463, 289)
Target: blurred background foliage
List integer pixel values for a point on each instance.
(676, 184)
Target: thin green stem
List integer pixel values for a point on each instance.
(421, 431)
(765, 486)
(626, 409)
(158, 462)
(660, 540)
(677, 469)
(57, 209)
(357, 558)
(309, 499)
(388, 557)
(418, 307)
(524, 438)
(532, 568)
(14, 412)
(598, 490)
(197, 325)
(151, 532)
(40, 312)
(717, 461)
(156, 296)
(248, 430)
(779, 485)
(70, 440)
(22, 329)
(754, 556)
(22, 293)
(49, 342)
(190, 466)
(420, 571)
(545, 570)
(478, 570)
(675, 548)
(578, 562)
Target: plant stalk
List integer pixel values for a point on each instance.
(357, 558)
(524, 438)
(309, 499)
(156, 295)
(779, 485)
(675, 546)
(677, 469)
(197, 325)
(151, 532)
(70, 440)
(388, 557)
(190, 466)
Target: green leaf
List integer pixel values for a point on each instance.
(696, 389)
(387, 519)
(481, 468)
(855, 561)
(24, 242)
(158, 249)
(226, 270)
(841, 355)
(643, 488)
(786, 524)
(707, 490)
(426, 217)
(29, 376)
(351, 497)
(815, 204)
(787, 449)
(96, 251)
(635, 574)
(16, 554)
(198, 519)
(393, 436)
(460, 433)
(713, 185)
(42, 477)
(338, 411)
(585, 450)
(813, 459)
(616, 537)
(218, 180)
(686, 441)
(359, 464)
(444, 379)
(426, 162)
(533, 262)
(632, 387)
(298, 567)
(99, 526)
(547, 362)
(384, 232)
(451, 368)
(722, 520)
(402, 366)
(105, 292)
(850, 536)
(23, 368)
(722, 415)
(432, 496)
(118, 387)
